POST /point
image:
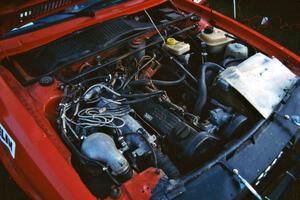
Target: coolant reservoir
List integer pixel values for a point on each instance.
(176, 47)
(215, 39)
(237, 51)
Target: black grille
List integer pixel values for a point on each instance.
(44, 59)
(43, 8)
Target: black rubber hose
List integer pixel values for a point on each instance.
(202, 97)
(97, 78)
(158, 82)
(164, 163)
(135, 101)
(141, 95)
(228, 61)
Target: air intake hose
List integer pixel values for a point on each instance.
(202, 98)
(101, 147)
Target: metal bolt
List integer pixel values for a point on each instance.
(157, 171)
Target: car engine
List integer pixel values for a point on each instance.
(164, 89)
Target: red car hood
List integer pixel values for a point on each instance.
(15, 13)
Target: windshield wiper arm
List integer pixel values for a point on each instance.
(88, 8)
(82, 13)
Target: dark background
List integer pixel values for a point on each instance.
(284, 18)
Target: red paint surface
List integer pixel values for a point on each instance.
(42, 163)
(141, 185)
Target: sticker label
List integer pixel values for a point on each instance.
(8, 141)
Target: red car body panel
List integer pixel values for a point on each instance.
(42, 164)
(40, 167)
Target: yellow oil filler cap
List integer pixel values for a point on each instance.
(171, 41)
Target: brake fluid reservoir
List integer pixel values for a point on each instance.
(237, 51)
(216, 39)
(176, 47)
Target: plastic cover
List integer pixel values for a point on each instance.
(263, 81)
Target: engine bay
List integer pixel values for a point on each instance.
(159, 88)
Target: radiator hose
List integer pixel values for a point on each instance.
(202, 97)
(164, 162)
